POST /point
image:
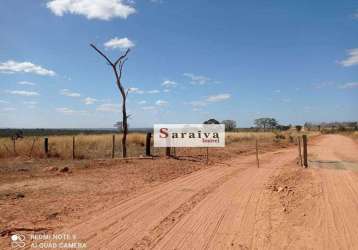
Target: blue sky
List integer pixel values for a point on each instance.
(296, 61)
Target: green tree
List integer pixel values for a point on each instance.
(266, 123)
(298, 128)
(230, 125)
(212, 121)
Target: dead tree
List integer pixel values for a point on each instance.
(117, 67)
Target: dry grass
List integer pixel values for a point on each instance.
(100, 146)
(289, 136)
(248, 136)
(86, 146)
(353, 135)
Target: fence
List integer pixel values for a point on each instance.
(138, 144)
(302, 158)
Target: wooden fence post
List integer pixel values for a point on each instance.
(167, 151)
(257, 154)
(147, 144)
(73, 148)
(113, 144)
(46, 146)
(299, 151)
(305, 160)
(14, 145)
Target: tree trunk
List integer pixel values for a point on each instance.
(124, 112)
(124, 109)
(118, 74)
(125, 128)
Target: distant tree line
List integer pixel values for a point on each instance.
(332, 126)
(269, 124)
(9, 132)
(263, 124)
(230, 125)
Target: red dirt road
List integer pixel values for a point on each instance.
(239, 206)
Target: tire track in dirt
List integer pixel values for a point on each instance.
(167, 223)
(231, 207)
(225, 219)
(145, 211)
(341, 209)
(322, 203)
(143, 220)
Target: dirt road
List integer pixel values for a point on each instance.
(236, 205)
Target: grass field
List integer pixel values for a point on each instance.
(354, 135)
(100, 146)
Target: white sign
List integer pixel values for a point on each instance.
(189, 135)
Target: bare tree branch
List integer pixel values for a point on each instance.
(121, 60)
(101, 53)
(121, 67)
(122, 57)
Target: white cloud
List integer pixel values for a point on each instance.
(277, 91)
(4, 102)
(198, 80)
(8, 109)
(68, 111)
(154, 91)
(166, 90)
(92, 9)
(26, 83)
(11, 67)
(197, 104)
(218, 98)
(135, 91)
(349, 85)
(89, 100)
(156, 1)
(142, 102)
(119, 43)
(168, 84)
(355, 15)
(23, 92)
(161, 103)
(65, 110)
(30, 102)
(352, 58)
(322, 85)
(148, 107)
(139, 91)
(67, 92)
(109, 107)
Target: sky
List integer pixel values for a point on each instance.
(296, 61)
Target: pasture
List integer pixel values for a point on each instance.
(100, 146)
